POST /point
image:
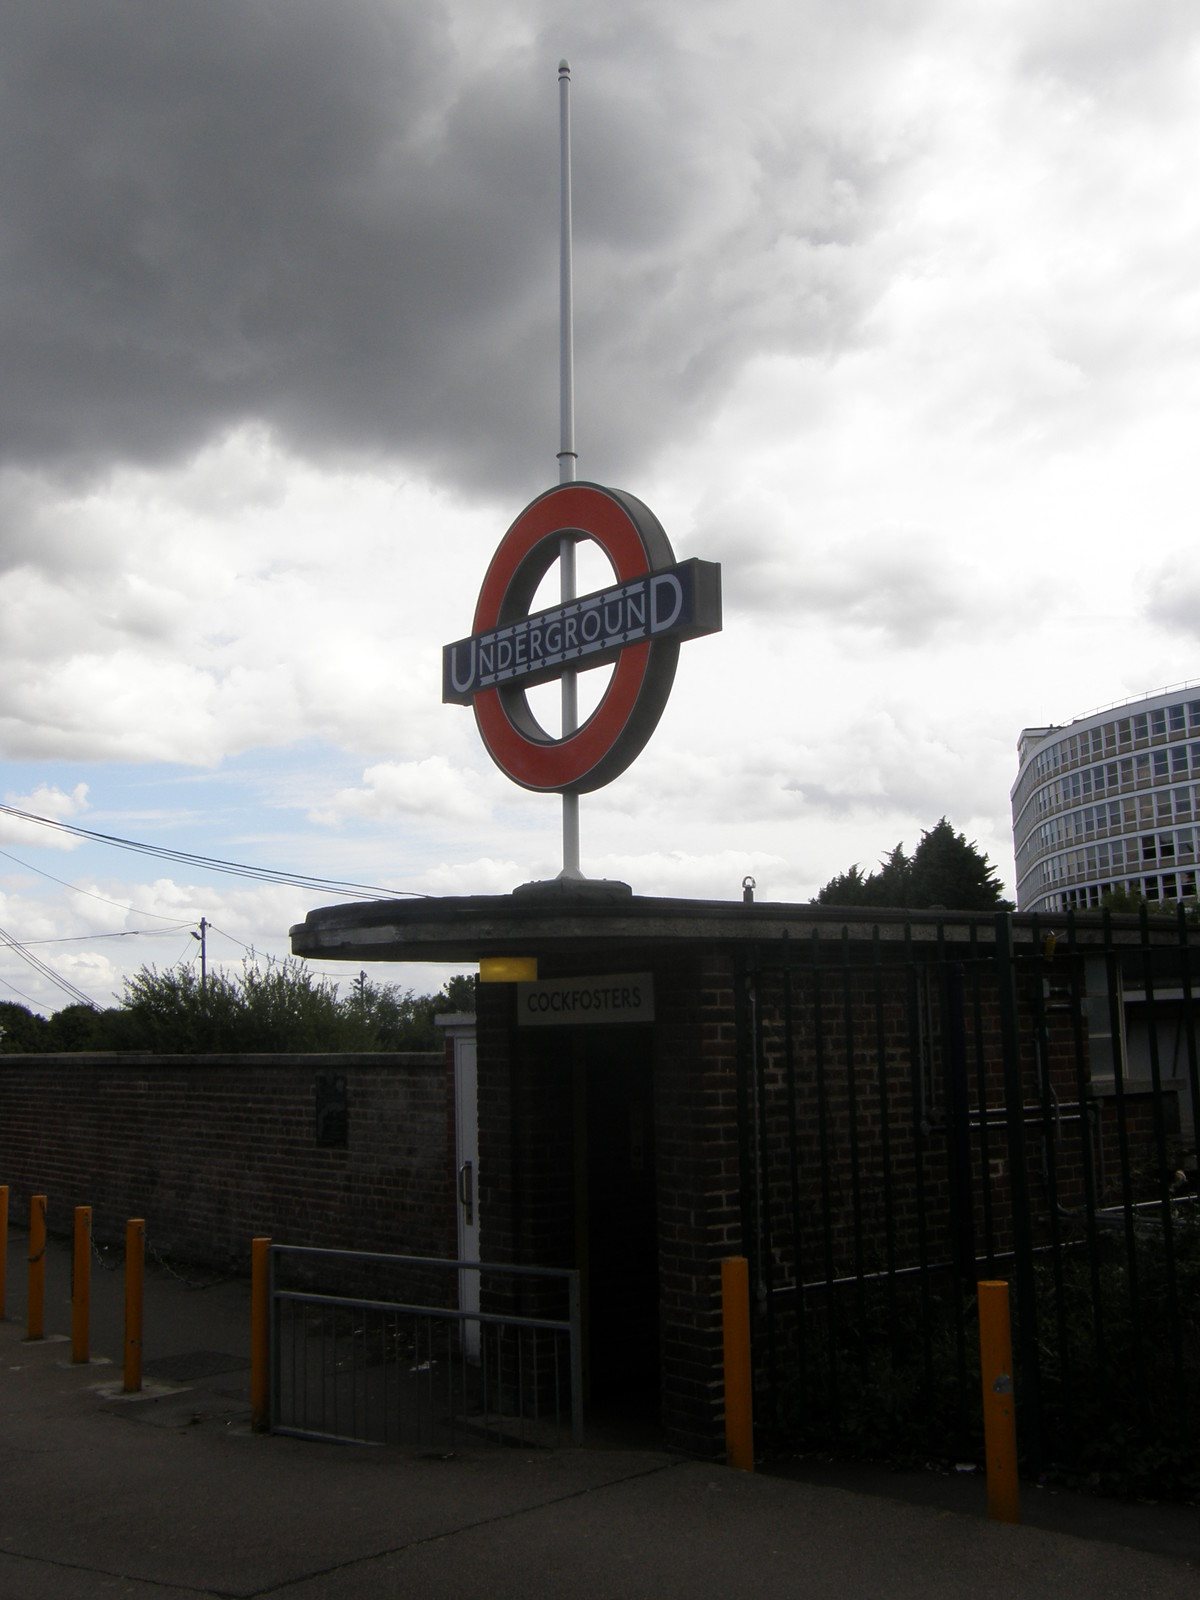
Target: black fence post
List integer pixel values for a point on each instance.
(860, 1293)
(1030, 1401)
(958, 1169)
(789, 1052)
(885, 1148)
(745, 1068)
(826, 1197)
(1051, 1128)
(1088, 1107)
(764, 1287)
(919, 1134)
(1165, 1172)
(1120, 1064)
(959, 1104)
(981, 1090)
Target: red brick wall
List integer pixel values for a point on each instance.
(887, 1190)
(1141, 1141)
(696, 1134)
(213, 1150)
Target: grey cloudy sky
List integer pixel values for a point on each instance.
(334, 220)
(889, 306)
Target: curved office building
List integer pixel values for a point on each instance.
(1111, 801)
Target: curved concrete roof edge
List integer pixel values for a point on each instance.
(571, 919)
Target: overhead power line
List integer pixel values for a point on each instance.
(125, 933)
(40, 967)
(90, 894)
(234, 869)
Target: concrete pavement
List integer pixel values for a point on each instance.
(171, 1495)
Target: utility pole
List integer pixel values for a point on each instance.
(360, 983)
(204, 927)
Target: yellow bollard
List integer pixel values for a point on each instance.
(135, 1261)
(81, 1284)
(260, 1341)
(739, 1391)
(999, 1402)
(3, 1245)
(35, 1312)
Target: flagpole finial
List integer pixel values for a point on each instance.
(564, 66)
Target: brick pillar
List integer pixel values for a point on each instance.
(695, 1072)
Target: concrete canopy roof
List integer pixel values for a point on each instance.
(590, 918)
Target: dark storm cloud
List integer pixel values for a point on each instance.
(328, 219)
(224, 211)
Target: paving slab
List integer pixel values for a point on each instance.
(171, 1494)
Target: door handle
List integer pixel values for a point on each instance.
(466, 1194)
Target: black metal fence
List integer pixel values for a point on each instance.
(942, 1101)
(409, 1350)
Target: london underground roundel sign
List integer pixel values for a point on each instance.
(637, 624)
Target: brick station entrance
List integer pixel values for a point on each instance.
(874, 1108)
(612, 1148)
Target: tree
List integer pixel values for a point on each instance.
(279, 1005)
(74, 1028)
(397, 1019)
(946, 869)
(20, 1028)
(83, 1027)
(459, 993)
(276, 1005)
(174, 1011)
(849, 888)
(392, 1018)
(895, 877)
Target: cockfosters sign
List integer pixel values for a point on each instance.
(567, 1002)
(637, 624)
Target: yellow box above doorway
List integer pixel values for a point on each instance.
(508, 969)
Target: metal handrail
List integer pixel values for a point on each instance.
(422, 1314)
(444, 1313)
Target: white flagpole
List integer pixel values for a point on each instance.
(566, 449)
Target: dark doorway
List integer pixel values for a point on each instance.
(620, 1233)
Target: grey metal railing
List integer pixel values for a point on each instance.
(376, 1349)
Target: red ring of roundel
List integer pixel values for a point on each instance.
(563, 764)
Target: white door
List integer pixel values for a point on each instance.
(466, 1147)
